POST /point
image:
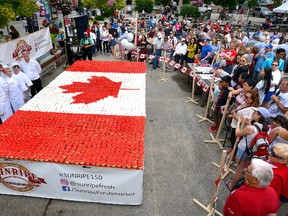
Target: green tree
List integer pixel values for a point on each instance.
(146, 5)
(230, 4)
(162, 2)
(103, 6)
(190, 11)
(277, 3)
(11, 8)
(251, 4)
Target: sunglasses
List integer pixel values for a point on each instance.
(246, 97)
(273, 154)
(274, 64)
(247, 171)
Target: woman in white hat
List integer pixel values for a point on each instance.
(16, 89)
(23, 78)
(5, 106)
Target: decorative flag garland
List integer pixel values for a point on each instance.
(200, 82)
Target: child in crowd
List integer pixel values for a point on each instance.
(279, 120)
(221, 101)
(197, 59)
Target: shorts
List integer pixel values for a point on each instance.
(283, 199)
(268, 96)
(241, 154)
(112, 43)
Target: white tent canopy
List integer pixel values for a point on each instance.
(282, 8)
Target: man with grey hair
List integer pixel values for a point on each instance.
(255, 197)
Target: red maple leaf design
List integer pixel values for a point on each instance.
(95, 89)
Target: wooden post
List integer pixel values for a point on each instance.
(164, 79)
(216, 140)
(191, 99)
(204, 118)
(230, 157)
(210, 209)
(136, 32)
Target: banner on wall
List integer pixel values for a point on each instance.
(71, 182)
(37, 43)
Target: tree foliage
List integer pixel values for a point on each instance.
(103, 6)
(277, 3)
(189, 11)
(230, 4)
(146, 5)
(9, 9)
(163, 2)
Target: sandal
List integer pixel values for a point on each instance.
(227, 183)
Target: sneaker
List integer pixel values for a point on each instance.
(213, 128)
(123, 58)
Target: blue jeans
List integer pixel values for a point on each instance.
(156, 61)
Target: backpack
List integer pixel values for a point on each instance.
(259, 145)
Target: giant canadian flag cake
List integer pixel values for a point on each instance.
(92, 114)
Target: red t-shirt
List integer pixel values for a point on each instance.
(251, 201)
(227, 29)
(280, 180)
(231, 53)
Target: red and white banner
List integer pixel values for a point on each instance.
(92, 115)
(37, 43)
(71, 182)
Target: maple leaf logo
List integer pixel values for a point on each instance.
(97, 88)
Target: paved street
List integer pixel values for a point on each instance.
(177, 162)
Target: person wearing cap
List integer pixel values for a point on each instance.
(23, 78)
(252, 126)
(157, 43)
(86, 44)
(278, 158)
(255, 197)
(5, 105)
(261, 56)
(16, 89)
(180, 52)
(32, 68)
(205, 55)
(221, 101)
(280, 54)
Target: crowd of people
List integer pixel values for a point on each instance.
(18, 83)
(251, 69)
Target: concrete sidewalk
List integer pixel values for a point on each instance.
(178, 164)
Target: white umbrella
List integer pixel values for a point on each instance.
(282, 8)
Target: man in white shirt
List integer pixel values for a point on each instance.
(33, 69)
(279, 106)
(157, 43)
(180, 52)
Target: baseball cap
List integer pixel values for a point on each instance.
(216, 65)
(263, 111)
(207, 40)
(270, 46)
(222, 54)
(5, 66)
(183, 39)
(85, 33)
(226, 79)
